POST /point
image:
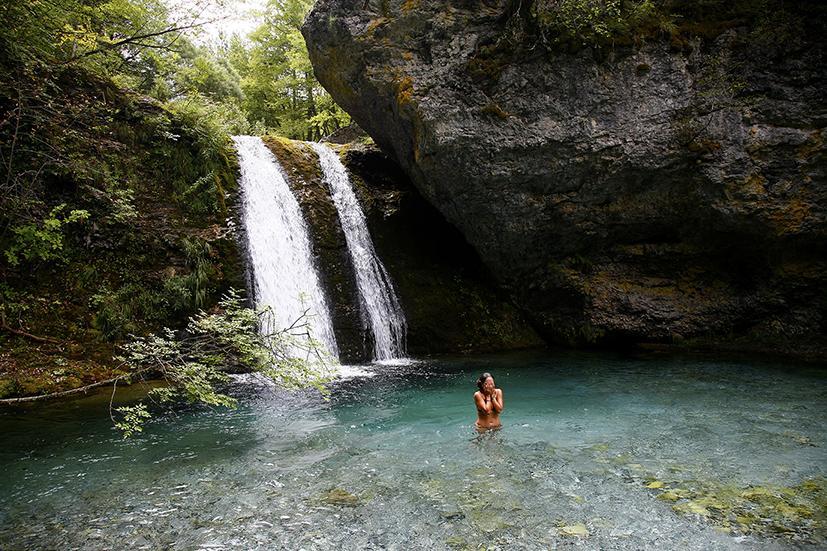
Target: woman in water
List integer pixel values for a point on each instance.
(489, 401)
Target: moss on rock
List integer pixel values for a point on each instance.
(301, 163)
(159, 186)
(798, 511)
(450, 301)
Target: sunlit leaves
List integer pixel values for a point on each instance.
(280, 90)
(132, 419)
(193, 364)
(43, 240)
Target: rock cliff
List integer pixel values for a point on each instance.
(450, 301)
(666, 189)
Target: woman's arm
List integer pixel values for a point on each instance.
(483, 405)
(497, 402)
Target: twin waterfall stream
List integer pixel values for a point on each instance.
(281, 259)
(379, 302)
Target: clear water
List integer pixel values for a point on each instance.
(278, 245)
(582, 432)
(379, 302)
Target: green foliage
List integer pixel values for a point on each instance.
(57, 48)
(43, 240)
(14, 304)
(202, 152)
(114, 313)
(69, 128)
(599, 23)
(198, 70)
(198, 252)
(119, 313)
(132, 419)
(122, 205)
(281, 95)
(117, 172)
(588, 20)
(330, 117)
(194, 363)
(99, 34)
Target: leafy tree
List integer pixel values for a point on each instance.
(111, 36)
(114, 145)
(194, 363)
(57, 48)
(280, 90)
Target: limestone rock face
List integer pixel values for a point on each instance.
(643, 193)
(451, 302)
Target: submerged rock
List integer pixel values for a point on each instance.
(661, 192)
(798, 512)
(340, 497)
(456, 542)
(574, 530)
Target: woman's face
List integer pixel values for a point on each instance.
(488, 385)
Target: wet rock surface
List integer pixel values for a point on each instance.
(332, 259)
(450, 302)
(647, 193)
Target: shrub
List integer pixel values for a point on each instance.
(194, 362)
(43, 240)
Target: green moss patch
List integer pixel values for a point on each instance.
(340, 498)
(798, 511)
(157, 185)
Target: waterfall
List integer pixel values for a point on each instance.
(278, 244)
(378, 299)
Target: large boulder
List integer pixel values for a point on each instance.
(658, 191)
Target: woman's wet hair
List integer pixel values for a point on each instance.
(481, 380)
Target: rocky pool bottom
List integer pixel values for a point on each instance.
(597, 451)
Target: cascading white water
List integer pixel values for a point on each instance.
(278, 244)
(379, 302)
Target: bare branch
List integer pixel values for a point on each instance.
(139, 37)
(29, 336)
(53, 395)
(112, 399)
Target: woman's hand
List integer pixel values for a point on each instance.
(497, 403)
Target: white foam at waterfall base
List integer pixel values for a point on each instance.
(353, 372)
(380, 305)
(278, 245)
